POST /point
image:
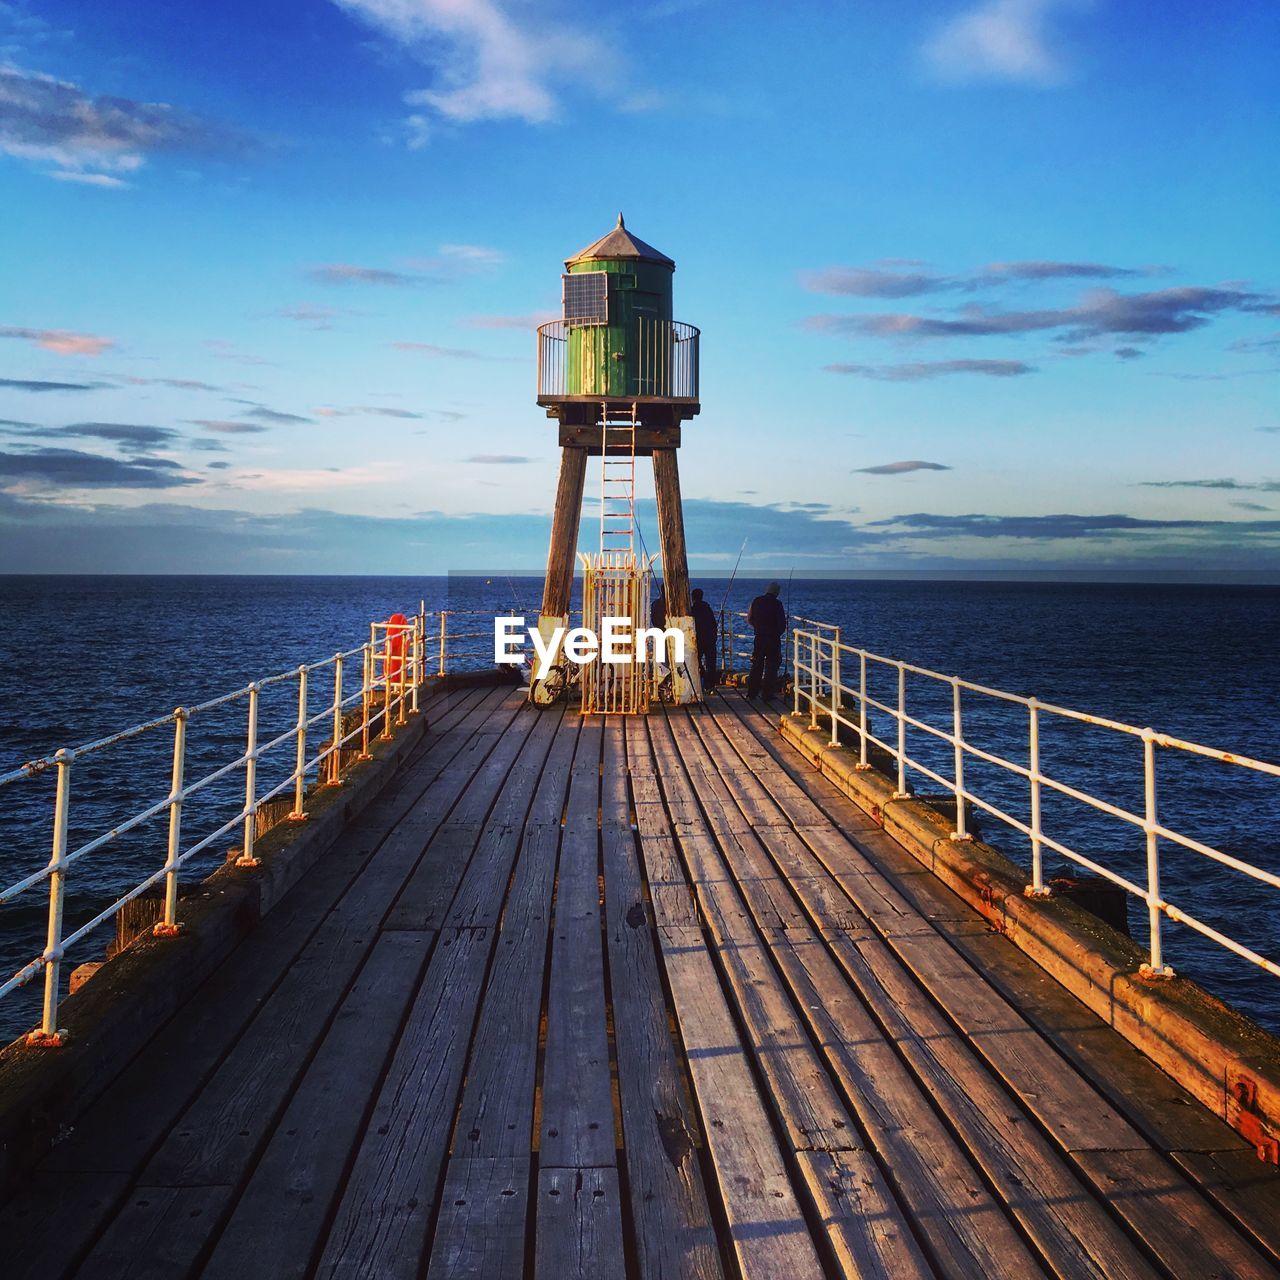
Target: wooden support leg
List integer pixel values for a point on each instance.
(675, 558)
(561, 557)
(675, 570)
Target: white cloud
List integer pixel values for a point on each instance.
(60, 341)
(490, 64)
(90, 140)
(88, 179)
(1002, 40)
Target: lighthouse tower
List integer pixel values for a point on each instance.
(619, 376)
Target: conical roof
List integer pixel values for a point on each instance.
(620, 243)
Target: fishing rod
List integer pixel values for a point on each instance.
(729, 652)
(786, 648)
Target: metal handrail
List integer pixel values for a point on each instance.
(818, 658)
(394, 663)
(392, 669)
(662, 359)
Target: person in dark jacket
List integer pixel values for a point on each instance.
(658, 610)
(768, 619)
(705, 629)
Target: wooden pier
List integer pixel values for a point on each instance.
(634, 998)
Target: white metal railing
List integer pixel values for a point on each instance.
(820, 660)
(391, 670)
(658, 358)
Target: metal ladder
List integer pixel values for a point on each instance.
(618, 485)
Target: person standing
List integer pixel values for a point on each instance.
(705, 631)
(768, 620)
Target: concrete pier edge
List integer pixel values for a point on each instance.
(111, 1017)
(1216, 1053)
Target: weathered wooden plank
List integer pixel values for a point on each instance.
(423, 903)
(129, 1119)
(1172, 1217)
(496, 1115)
(379, 1226)
(578, 1235)
(54, 1219)
(798, 1085)
(278, 1222)
(431, 898)
(967, 1231)
(1072, 1230)
(125, 1126)
(577, 1120)
(384, 1214)
(1078, 1118)
(220, 1131)
(1239, 1183)
(799, 1088)
(154, 1234)
(768, 1233)
(867, 1238)
(671, 1220)
(480, 1232)
(547, 808)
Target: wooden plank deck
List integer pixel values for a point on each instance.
(641, 998)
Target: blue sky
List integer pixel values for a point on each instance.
(982, 283)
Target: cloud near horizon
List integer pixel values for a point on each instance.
(923, 370)
(38, 534)
(37, 386)
(900, 468)
(72, 468)
(230, 427)
(1101, 313)
(873, 282)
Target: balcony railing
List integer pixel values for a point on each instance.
(659, 359)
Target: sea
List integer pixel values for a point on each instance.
(84, 657)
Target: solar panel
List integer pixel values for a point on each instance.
(586, 297)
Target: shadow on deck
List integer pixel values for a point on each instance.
(634, 998)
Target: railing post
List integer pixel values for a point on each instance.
(1157, 968)
(862, 764)
(961, 832)
(835, 690)
(48, 1033)
(335, 753)
(403, 650)
(300, 765)
(795, 672)
(444, 615)
(169, 925)
(902, 793)
(366, 698)
(385, 735)
(246, 858)
(1037, 888)
(813, 680)
(414, 670)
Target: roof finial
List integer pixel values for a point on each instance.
(621, 225)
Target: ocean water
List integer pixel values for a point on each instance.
(81, 658)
